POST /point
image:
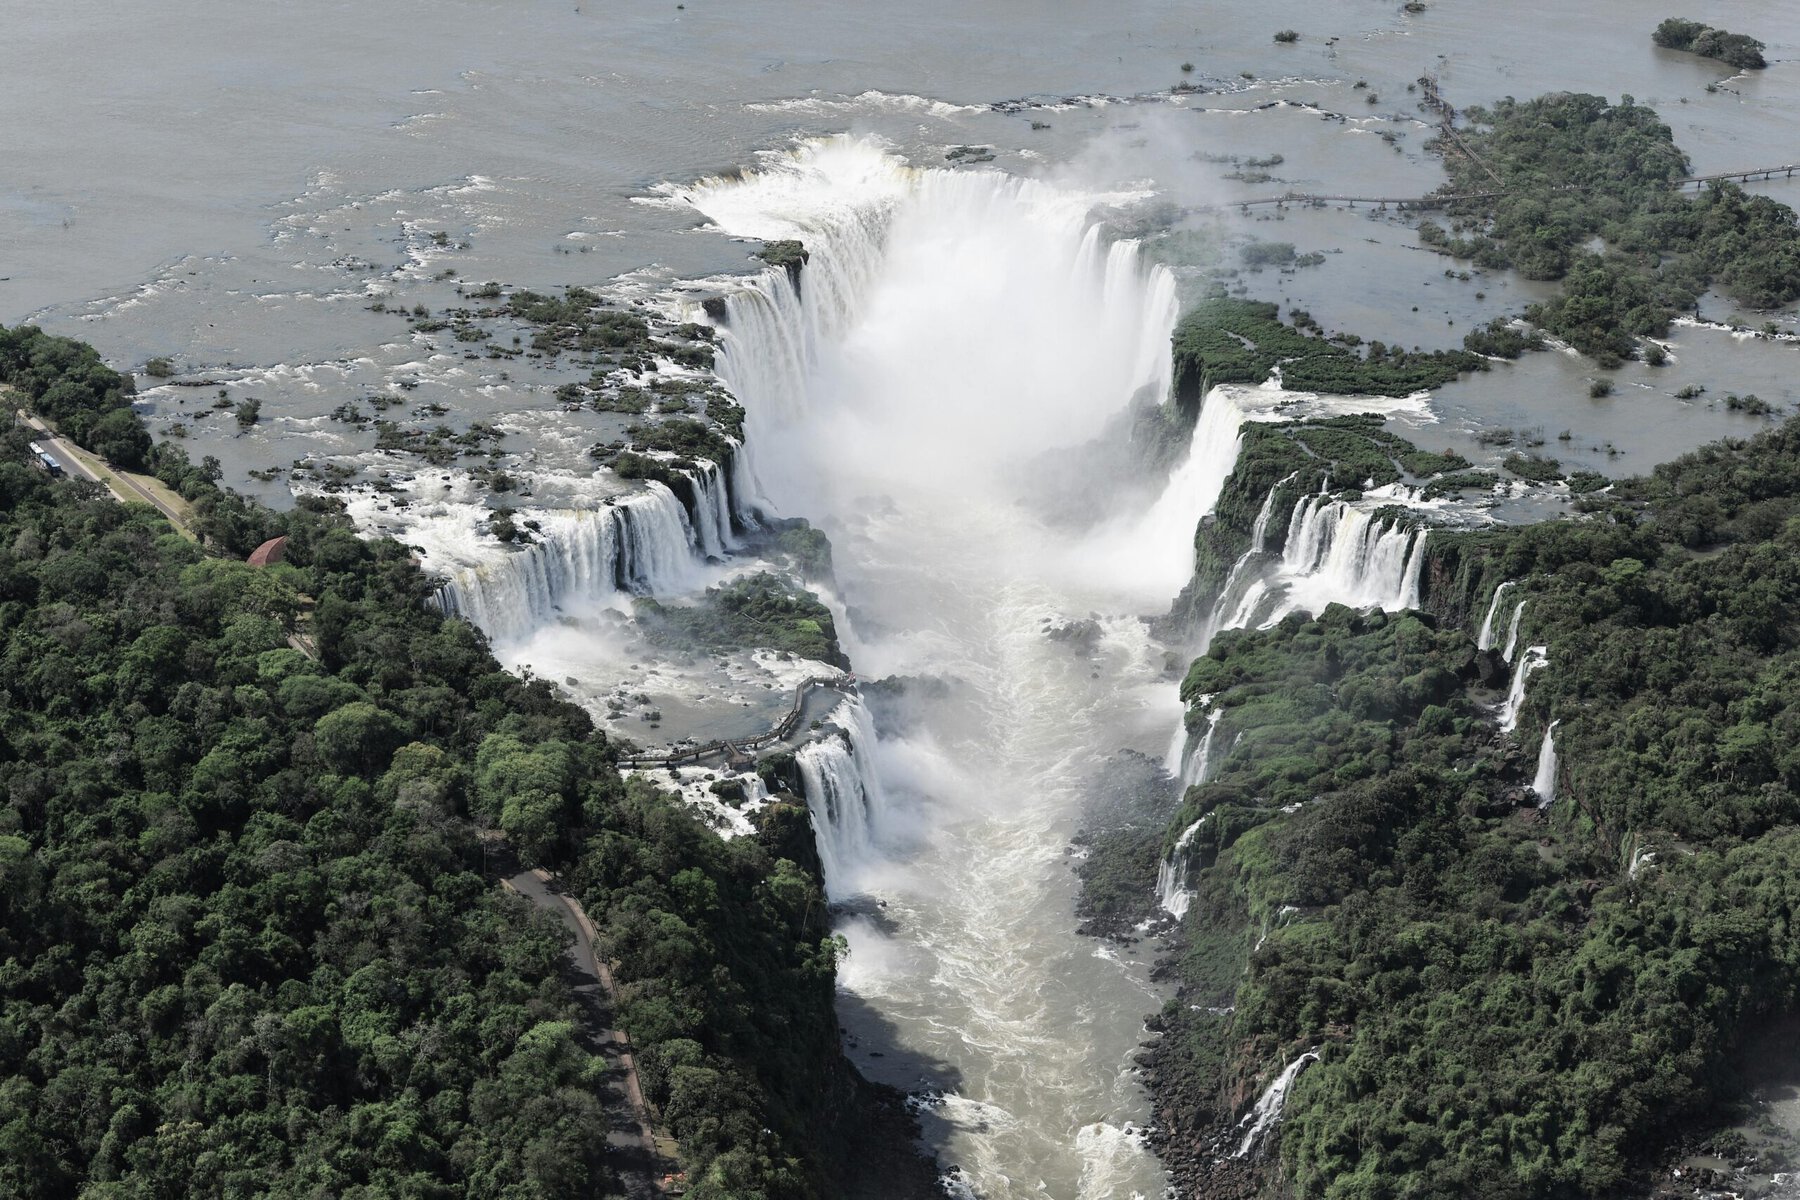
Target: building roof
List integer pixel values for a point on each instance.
(272, 551)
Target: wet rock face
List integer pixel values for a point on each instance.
(1491, 670)
(1081, 635)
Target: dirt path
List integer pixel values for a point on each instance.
(642, 1161)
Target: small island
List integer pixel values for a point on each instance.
(1734, 49)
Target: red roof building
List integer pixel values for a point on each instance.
(272, 551)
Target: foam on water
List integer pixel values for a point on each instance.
(949, 329)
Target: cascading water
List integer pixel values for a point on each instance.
(1262, 1119)
(1535, 658)
(951, 330)
(1259, 531)
(1172, 893)
(713, 510)
(844, 795)
(643, 543)
(1242, 592)
(1512, 635)
(1544, 782)
(1337, 551)
(1485, 641)
(1194, 766)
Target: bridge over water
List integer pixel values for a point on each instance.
(1441, 200)
(745, 751)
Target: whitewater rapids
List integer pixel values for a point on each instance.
(953, 332)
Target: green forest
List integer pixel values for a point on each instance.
(1575, 168)
(249, 947)
(1505, 1001)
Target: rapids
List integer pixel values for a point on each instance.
(952, 332)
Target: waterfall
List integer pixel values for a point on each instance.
(952, 332)
(780, 343)
(1237, 600)
(1544, 783)
(1193, 767)
(1267, 1113)
(1339, 551)
(640, 544)
(1512, 636)
(713, 510)
(1259, 532)
(1172, 876)
(1486, 639)
(1535, 657)
(1165, 535)
(844, 794)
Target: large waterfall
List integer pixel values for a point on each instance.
(844, 795)
(1336, 551)
(639, 544)
(955, 341)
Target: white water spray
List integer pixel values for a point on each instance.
(1261, 1120)
(1544, 783)
(1485, 641)
(1535, 658)
(952, 332)
(641, 544)
(1337, 551)
(1172, 893)
(844, 795)
(1512, 636)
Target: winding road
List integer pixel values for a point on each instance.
(641, 1164)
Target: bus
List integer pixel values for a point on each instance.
(45, 461)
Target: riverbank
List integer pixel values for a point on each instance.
(1415, 858)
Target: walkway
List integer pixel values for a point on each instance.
(799, 714)
(642, 1162)
(1440, 200)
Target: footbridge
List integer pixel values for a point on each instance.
(745, 751)
(1443, 199)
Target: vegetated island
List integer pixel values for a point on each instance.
(249, 942)
(1733, 49)
(1573, 169)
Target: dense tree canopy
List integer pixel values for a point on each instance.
(247, 944)
(1587, 200)
(1505, 1001)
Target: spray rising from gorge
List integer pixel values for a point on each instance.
(929, 391)
(953, 336)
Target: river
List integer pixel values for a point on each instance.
(232, 185)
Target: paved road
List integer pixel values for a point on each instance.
(630, 1138)
(79, 465)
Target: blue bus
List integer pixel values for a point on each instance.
(46, 461)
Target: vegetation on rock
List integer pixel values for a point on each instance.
(1243, 341)
(1506, 999)
(1734, 49)
(246, 942)
(1574, 169)
(762, 611)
